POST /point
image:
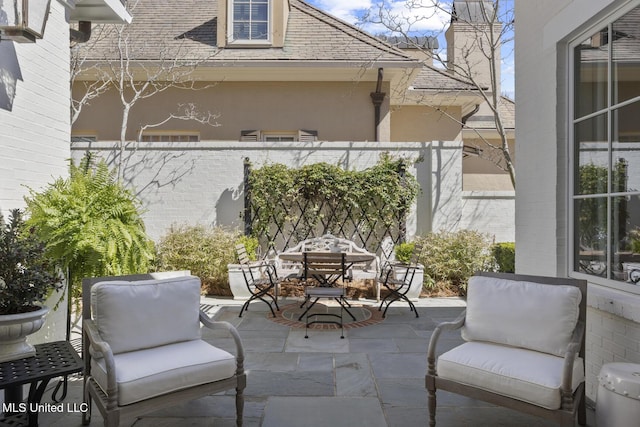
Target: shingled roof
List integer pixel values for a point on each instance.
(431, 78)
(187, 30)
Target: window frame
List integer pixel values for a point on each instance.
(84, 137)
(249, 42)
(609, 110)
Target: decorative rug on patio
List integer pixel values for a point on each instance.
(365, 315)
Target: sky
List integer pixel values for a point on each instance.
(419, 21)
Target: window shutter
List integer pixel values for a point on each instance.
(307, 135)
(249, 135)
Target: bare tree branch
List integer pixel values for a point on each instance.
(490, 25)
(120, 69)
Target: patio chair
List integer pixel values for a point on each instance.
(143, 351)
(524, 347)
(243, 255)
(261, 280)
(397, 277)
(325, 269)
(397, 280)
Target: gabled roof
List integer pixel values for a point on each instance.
(187, 30)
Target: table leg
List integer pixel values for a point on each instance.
(13, 394)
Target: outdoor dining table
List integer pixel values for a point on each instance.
(350, 258)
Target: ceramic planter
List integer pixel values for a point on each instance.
(416, 283)
(14, 329)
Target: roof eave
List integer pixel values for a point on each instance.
(99, 11)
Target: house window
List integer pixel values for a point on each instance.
(83, 138)
(250, 20)
(605, 136)
(168, 137)
(270, 136)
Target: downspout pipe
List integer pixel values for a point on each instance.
(377, 98)
(82, 34)
(467, 116)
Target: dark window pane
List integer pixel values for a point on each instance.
(241, 31)
(591, 235)
(626, 239)
(625, 51)
(260, 13)
(259, 31)
(626, 148)
(241, 12)
(592, 156)
(591, 81)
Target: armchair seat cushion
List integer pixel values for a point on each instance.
(526, 375)
(147, 373)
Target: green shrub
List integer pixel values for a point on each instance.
(505, 255)
(91, 224)
(450, 258)
(205, 251)
(251, 245)
(404, 251)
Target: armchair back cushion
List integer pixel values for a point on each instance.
(133, 316)
(521, 314)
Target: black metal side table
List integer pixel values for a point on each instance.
(54, 359)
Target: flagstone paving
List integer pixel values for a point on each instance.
(374, 377)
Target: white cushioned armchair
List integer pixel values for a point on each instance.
(143, 351)
(524, 347)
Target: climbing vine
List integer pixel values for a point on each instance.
(322, 198)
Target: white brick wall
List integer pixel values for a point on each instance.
(613, 331)
(202, 182)
(35, 126)
(491, 212)
(613, 317)
(34, 111)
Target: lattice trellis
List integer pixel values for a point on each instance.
(306, 218)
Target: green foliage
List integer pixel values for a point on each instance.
(451, 258)
(27, 275)
(592, 211)
(325, 194)
(92, 224)
(505, 256)
(251, 245)
(205, 251)
(404, 251)
(635, 240)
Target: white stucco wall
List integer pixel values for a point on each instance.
(613, 318)
(34, 111)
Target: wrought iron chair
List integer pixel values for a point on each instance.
(143, 351)
(524, 347)
(397, 278)
(322, 272)
(262, 280)
(260, 277)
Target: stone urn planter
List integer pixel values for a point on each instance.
(416, 284)
(237, 283)
(14, 329)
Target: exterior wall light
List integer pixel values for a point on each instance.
(23, 21)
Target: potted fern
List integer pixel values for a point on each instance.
(27, 277)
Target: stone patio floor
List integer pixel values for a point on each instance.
(374, 377)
